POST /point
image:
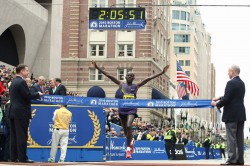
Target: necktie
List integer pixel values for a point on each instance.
(41, 87)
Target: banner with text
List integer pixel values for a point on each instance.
(86, 129)
(121, 103)
(194, 153)
(143, 150)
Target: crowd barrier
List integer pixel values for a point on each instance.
(143, 150)
(87, 140)
(194, 153)
(154, 150)
(87, 128)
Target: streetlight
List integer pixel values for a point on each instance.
(209, 128)
(202, 129)
(195, 123)
(184, 118)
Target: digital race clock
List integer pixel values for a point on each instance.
(117, 18)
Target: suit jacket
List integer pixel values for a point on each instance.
(37, 88)
(233, 101)
(20, 96)
(60, 90)
(51, 91)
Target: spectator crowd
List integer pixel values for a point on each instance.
(7, 75)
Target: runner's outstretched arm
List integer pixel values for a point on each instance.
(106, 74)
(152, 77)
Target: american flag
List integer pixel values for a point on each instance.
(181, 76)
(181, 90)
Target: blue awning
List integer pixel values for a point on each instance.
(156, 94)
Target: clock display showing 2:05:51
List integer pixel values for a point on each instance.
(116, 13)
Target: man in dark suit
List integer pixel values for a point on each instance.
(52, 89)
(39, 86)
(60, 88)
(20, 114)
(234, 116)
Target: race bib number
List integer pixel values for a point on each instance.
(128, 96)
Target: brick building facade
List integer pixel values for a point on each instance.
(144, 52)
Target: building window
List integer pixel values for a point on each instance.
(187, 62)
(183, 15)
(187, 73)
(178, 3)
(122, 73)
(97, 50)
(98, 3)
(188, 17)
(128, 3)
(175, 14)
(181, 38)
(182, 50)
(125, 50)
(95, 75)
(183, 27)
(175, 26)
(181, 62)
(180, 15)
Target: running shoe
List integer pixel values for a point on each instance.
(128, 154)
(132, 146)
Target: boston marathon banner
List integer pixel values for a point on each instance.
(86, 129)
(143, 150)
(194, 153)
(121, 103)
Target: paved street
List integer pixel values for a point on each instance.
(135, 163)
(211, 162)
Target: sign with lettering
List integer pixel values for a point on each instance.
(143, 150)
(194, 153)
(122, 103)
(117, 18)
(86, 129)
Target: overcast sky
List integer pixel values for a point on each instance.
(230, 31)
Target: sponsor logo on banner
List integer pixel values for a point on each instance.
(107, 102)
(179, 151)
(159, 150)
(150, 104)
(93, 102)
(189, 152)
(189, 104)
(143, 150)
(132, 103)
(93, 24)
(134, 24)
(116, 149)
(165, 103)
(51, 99)
(75, 100)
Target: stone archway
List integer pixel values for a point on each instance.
(12, 45)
